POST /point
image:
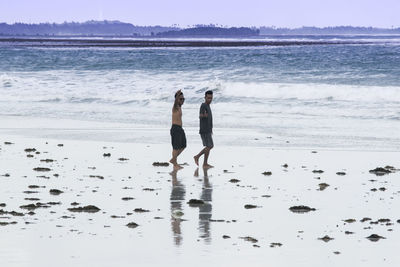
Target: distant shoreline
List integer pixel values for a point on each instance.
(140, 43)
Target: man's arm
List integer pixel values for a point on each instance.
(177, 95)
(203, 112)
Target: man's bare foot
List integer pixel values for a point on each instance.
(177, 167)
(196, 160)
(207, 166)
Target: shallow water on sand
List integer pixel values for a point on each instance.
(172, 232)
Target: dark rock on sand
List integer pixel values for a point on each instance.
(267, 173)
(7, 223)
(29, 156)
(34, 206)
(8, 143)
(341, 173)
(348, 233)
(3, 204)
(226, 236)
(55, 192)
(107, 155)
(285, 165)
(60, 145)
(382, 189)
(234, 180)
(349, 220)
(32, 199)
(375, 237)
(140, 210)
(47, 160)
(30, 192)
(384, 220)
(74, 204)
(195, 202)
(301, 209)
(29, 150)
(41, 169)
(117, 217)
(317, 171)
(322, 186)
(132, 225)
(53, 203)
(160, 164)
(97, 176)
(127, 198)
(365, 219)
(379, 171)
(123, 159)
(272, 245)
(89, 208)
(250, 206)
(326, 238)
(13, 213)
(148, 189)
(250, 239)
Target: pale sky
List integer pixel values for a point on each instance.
(279, 13)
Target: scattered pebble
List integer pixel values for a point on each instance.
(56, 192)
(90, 209)
(301, 209)
(41, 169)
(326, 238)
(375, 237)
(160, 164)
(132, 225)
(195, 202)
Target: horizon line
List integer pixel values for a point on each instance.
(201, 24)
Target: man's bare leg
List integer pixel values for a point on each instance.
(206, 154)
(175, 154)
(196, 158)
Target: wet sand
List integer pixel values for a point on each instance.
(80, 203)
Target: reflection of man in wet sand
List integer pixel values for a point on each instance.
(178, 137)
(177, 198)
(206, 125)
(205, 210)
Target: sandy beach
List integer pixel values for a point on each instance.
(75, 202)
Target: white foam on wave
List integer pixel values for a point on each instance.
(316, 92)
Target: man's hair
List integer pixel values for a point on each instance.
(176, 94)
(209, 92)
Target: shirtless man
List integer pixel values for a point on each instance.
(178, 137)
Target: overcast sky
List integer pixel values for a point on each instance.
(279, 13)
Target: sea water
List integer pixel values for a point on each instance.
(334, 96)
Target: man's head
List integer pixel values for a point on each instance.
(208, 97)
(180, 97)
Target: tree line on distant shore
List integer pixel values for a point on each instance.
(117, 28)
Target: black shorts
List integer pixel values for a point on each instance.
(207, 140)
(178, 137)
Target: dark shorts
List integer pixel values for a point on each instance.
(207, 139)
(178, 137)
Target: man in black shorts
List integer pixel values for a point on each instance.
(206, 125)
(178, 137)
